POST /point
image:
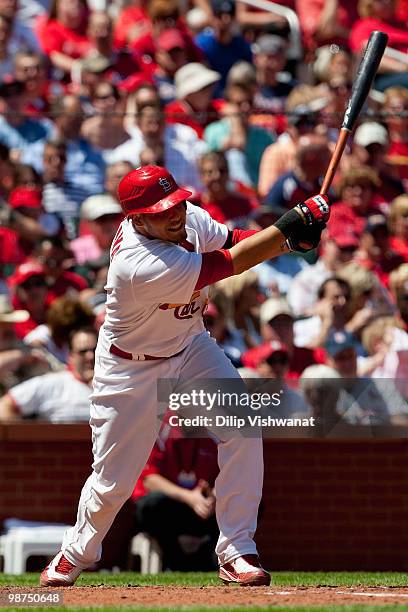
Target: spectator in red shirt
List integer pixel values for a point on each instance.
(23, 224)
(325, 21)
(29, 291)
(380, 15)
(375, 252)
(194, 88)
(138, 27)
(398, 225)
(132, 23)
(54, 256)
(357, 192)
(217, 198)
(63, 34)
(396, 118)
(178, 481)
(123, 64)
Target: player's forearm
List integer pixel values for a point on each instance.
(263, 245)
(8, 410)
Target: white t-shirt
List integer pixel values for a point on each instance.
(151, 305)
(41, 335)
(58, 397)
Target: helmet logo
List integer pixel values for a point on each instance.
(165, 184)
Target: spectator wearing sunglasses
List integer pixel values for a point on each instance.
(270, 360)
(28, 288)
(57, 396)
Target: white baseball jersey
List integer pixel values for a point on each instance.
(152, 307)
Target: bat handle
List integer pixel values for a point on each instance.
(335, 159)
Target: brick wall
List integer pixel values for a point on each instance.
(42, 470)
(329, 504)
(335, 505)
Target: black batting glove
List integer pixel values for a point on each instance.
(306, 239)
(302, 225)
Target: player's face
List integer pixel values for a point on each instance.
(169, 225)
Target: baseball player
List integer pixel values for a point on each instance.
(164, 256)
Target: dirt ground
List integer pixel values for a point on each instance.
(224, 595)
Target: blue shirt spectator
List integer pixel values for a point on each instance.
(220, 45)
(85, 167)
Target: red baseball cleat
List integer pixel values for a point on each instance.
(60, 572)
(246, 571)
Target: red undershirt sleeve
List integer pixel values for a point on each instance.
(240, 234)
(215, 266)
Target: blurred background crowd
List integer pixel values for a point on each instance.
(242, 101)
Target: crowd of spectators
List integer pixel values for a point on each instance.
(246, 117)
(245, 112)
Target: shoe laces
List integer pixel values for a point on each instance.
(64, 566)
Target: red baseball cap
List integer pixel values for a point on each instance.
(25, 271)
(343, 236)
(171, 39)
(134, 82)
(253, 357)
(28, 197)
(149, 189)
(211, 311)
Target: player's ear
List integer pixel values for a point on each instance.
(137, 220)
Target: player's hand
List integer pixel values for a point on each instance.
(302, 226)
(314, 211)
(203, 506)
(306, 239)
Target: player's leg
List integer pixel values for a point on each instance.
(124, 428)
(240, 458)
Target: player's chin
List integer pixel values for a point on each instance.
(177, 235)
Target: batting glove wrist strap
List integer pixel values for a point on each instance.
(289, 223)
(314, 210)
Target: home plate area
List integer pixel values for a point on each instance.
(179, 596)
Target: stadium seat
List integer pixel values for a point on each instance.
(22, 542)
(146, 547)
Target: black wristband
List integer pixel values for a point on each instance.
(289, 222)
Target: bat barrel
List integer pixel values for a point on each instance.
(365, 76)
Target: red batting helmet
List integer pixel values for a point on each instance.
(149, 189)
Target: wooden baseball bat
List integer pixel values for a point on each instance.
(365, 75)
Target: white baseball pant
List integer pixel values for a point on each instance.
(124, 424)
